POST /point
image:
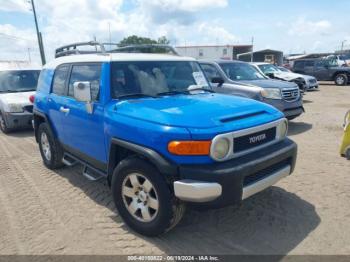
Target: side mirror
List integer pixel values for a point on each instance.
(326, 66)
(82, 93)
(217, 80)
(270, 75)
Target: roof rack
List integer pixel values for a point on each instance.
(72, 49)
(146, 48)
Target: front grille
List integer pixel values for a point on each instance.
(260, 175)
(312, 81)
(290, 95)
(250, 141)
(28, 108)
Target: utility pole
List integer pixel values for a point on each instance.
(109, 29)
(252, 54)
(38, 33)
(29, 57)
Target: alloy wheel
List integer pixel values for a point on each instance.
(140, 197)
(2, 123)
(340, 80)
(45, 145)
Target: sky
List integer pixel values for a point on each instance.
(296, 26)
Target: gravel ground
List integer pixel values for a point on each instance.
(46, 212)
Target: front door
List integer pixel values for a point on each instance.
(84, 131)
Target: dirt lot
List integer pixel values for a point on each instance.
(45, 212)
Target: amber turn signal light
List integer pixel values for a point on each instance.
(189, 148)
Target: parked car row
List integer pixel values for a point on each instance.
(243, 79)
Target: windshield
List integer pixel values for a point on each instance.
(241, 71)
(18, 80)
(281, 68)
(152, 78)
(268, 69)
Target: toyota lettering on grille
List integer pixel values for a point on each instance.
(255, 139)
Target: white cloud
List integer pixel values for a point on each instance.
(14, 6)
(303, 27)
(15, 43)
(65, 21)
(187, 5)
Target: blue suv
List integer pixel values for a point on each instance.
(152, 127)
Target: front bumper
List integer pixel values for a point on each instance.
(228, 183)
(18, 120)
(310, 86)
(289, 109)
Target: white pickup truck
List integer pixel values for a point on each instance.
(16, 87)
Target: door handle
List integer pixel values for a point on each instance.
(64, 110)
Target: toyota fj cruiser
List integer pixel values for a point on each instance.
(152, 127)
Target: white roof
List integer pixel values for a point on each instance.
(260, 63)
(109, 57)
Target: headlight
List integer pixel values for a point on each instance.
(220, 148)
(272, 93)
(282, 129)
(15, 108)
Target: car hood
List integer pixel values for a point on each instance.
(287, 75)
(16, 98)
(307, 77)
(270, 83)
(206, 110)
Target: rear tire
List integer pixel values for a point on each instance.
(347, 154)
(3, 125)
(341, 79)
(143, 198)
(50, 148)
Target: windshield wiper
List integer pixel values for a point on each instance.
(136, 95)
(199, 88)
(8, 91)
(169, 93)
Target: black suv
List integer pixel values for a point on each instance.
(323, 70)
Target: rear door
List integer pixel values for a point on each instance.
(56, 100)
(83, 131)
(321, 71)
(309, 67)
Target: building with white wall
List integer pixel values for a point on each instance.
(226, 52)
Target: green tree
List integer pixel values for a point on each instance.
(139, 40)
(163, 41)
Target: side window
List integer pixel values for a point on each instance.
(86, 73)
(210, 71)
(320, 64)
(309, 64)
(59, 80)
(299, 65)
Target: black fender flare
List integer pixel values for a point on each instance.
(162, 164)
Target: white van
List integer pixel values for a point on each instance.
(16, 87)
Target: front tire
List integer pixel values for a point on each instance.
(341, 79)
(143, 198)
(3, 125)
(50, 149)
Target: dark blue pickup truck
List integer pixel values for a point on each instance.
(151, 125)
